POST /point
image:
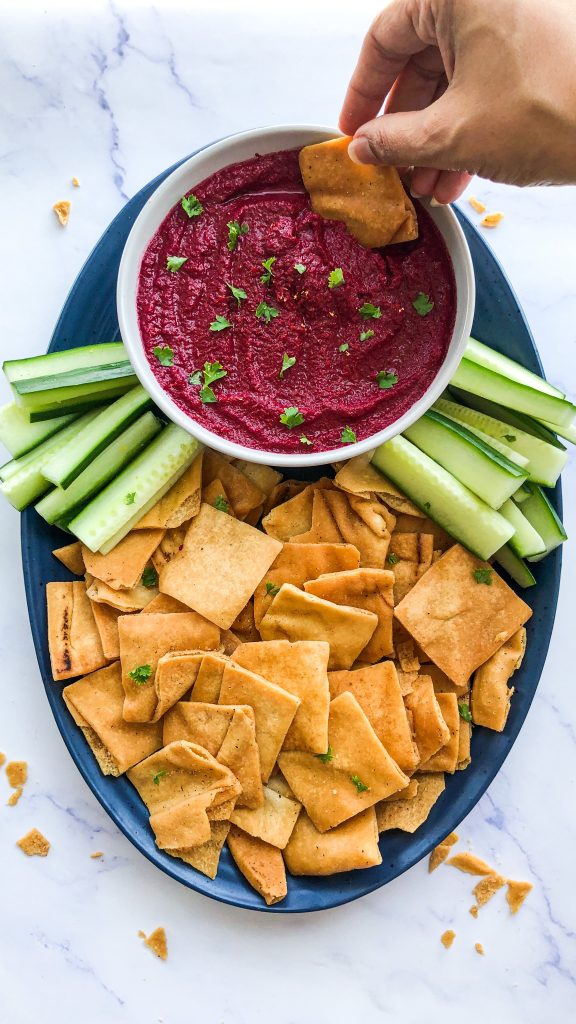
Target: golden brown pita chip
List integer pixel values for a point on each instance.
(301, 669)
(273, 822)
(355, 772)
(123, 566)
(294, 516)
(73, 638)
(219, 567)
(430, 730)
(156, 941)
(274, 710)
(125, 601)
(414, 524)
(244, 626)
(471, 864)
(340, 517)
(405, 654)
(404, 794)
(95, 703)
(278, 783)
(34, 844)
(205, 858)
(215, 494)
(106, 619)
(264, 477)
(71, 557)
(180, 504)
(516, 894)
(487, 887)
(446, 758)
(369, 199)
(164, 605)
(464, 736)
(411, 555)
(261, 864)
(298, 563)
(371, 589)
(243, 494)
(360, 477)
(457, 620)
(441, 682)
(349, 846)
(209, 679)
(377, 691)
(491, 695)
(170, 545)
(176, 674)
(283, 492)
(408, 815)
(143, 641)
(295, 615)
(441, 852)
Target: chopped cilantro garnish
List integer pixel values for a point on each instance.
(272, 589)
(465, 712)
(422, 304)
(335, 278)
(159, 775)
(149, 577)
(344, 347)
(348, 436)
(220, 324)
(483, 576)
(266, 312)
(141, 674)
(393, 558)
(238, 293)
(360, 786)
(220, 503)
(195, 378)
(210, 373)
(386, 379)
(191, 205)
(234, 231)
(291, 417)
(130, 498)
(300, 268)
(164, 354)
(174, 263)
(365, 335)
(510, 437)
(427, 504)
(327, 757)
(369, 312)
(268, 272)
(304, 440)
(287, 362)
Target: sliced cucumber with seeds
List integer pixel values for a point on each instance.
(20, 436)
(480, 381)
(525, 540)
(509, 416)
(515, 566)
(540, 512)
(568, 433)
(44, 405)
(481, 354)
(54, 364)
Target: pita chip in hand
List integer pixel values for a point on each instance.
(73, 638)
(260, 863)
(371, 589)
(349, 846)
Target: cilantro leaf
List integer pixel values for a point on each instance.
(235, 230)
(220, 503)
(348, 436)
(426, 504)
(393, 558)
(327, 757)
(164, 354)
(272, 589)
(266, 312)
(304, 440)
(130, 498)
(423, 304)
(268, 272)
(287, 362)
(149, 577)
(365, 335)
(300, 268)
(483, 576)
(159, 775)
(195, 378)
(220, 324)
(369, 312)
(238, 293)
(386, 379)
(174, 263)
(191, 205)
(360, 786)
(344, 347)
(291, 417)
(211, 372)
(464, 711)
(509, 437)
(141, 674)
(335, 278)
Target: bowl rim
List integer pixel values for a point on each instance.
(157, 208)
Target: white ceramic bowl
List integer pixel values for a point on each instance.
(182, 180)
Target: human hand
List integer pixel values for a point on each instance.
(482, 87)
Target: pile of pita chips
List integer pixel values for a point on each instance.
(289, 668)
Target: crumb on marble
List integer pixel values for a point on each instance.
(156, 941)
(487, 887)
(516, 894)
(491, 220)
(97, 854)
(34, 844)
(62, 211)
(447, 938)
(17, 773)
(76, 183)
(479, 948)
(441, 852)
(476, 204)
(471, 864)
(2, 758)
(474, 910)
(14, 797)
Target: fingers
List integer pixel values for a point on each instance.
(420, 138)
(450, 185)
(420, 83)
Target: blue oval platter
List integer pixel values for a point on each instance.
(88, 317)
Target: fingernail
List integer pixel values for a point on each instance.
(416, 195)
(436, 202)
(360, 151)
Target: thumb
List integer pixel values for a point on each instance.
(418, 138)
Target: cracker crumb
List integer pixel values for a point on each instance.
(491, 220)
(471, 864)
(156, 941)
(97, 854)
(474, 910)
(34, 844)
(476, 204)
(516, 894)
(447, 938)
(479, 948)
(76, 184)
(141, 934)
(17, 773)
(14, 798)
(62, 211)
(486, 888)
(440, 852)
(2, 758)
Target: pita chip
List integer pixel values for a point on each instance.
(422, 524)
(164, 605)
(295, 615)
(404, 794)
(95, 703)
(205, 858)
(71, 557)
(487, 887)
(243, 494)
(298, 563)
(273, 822)
(464, 736)
(458, 621)
(278, 783)
(73, 638)
(274, 710)
(244, 626)
(180, 504)
(369, 199)
(219, 567)
(260, 863)
(441, 682)
(209, 679)
(359, 476)
(470, 864)
(446, 758)
(491, 695)
(377, 690)
(123, 566)
(106, 619)
(349, 846)
(264, 477)
(282, 493)
(294, 516)
(370, 589)
(176, 674)
(441, 852)
(143, 641)
(170, 545)
(410, 556)
(516, 893)
(430, 730)
(125, 601)
(215, 494)
(345, 518)
(355, 772)
(408, 815)
(301, 669)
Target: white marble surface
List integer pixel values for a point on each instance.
(113, 93)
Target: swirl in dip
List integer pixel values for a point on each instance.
(352, 369)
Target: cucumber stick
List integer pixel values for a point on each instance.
(60, 506)
(66, 464)
(545, 461)
(540, 512)
(53, 364)
(113, 512)
(484, 382)
(19, 436)
(568, 433)
(43, 405)
(465, 516)
(509, 416)
(515, 566)
(525, 540)
(482, 469)
(492, 360)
